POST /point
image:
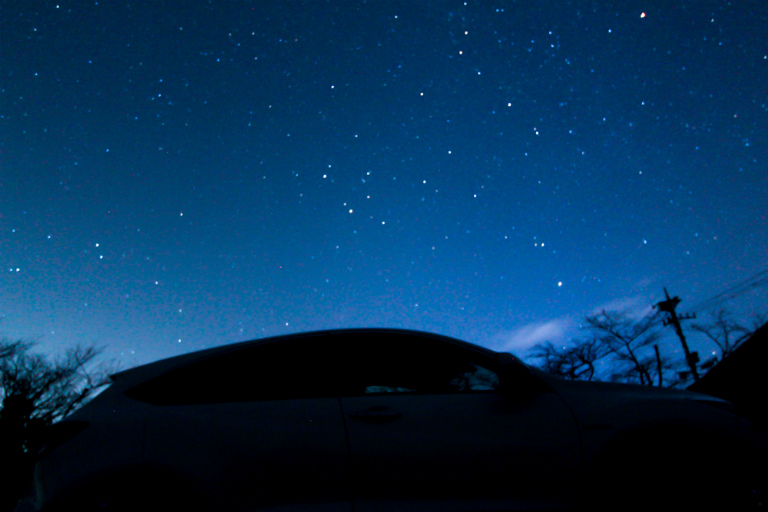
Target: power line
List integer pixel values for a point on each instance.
(754, 281)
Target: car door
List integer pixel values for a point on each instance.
(255, 429)
(432, 431)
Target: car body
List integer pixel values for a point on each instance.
(386, 419)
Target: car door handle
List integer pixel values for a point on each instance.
(376, 414)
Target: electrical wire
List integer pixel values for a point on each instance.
(754, 281)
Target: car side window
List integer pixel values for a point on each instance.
(290, 369)
(476, 378)
(415, 365)
(325, 365)
(387, 389)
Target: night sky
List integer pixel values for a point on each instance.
(176, 175)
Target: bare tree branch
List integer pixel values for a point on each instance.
(575, 361)
(724, 332)
(56, 387)
(625, 339)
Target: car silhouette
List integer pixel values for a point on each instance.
(386, 419)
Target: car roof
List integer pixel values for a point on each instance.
(141, 373)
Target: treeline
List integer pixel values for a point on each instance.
(618, 347)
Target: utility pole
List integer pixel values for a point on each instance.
(668, 306)
(658, 364)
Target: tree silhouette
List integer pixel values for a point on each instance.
(617, 348)
(35, 392)
(727, 333)
(575, 361)
(627, 341)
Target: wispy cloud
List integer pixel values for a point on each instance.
(522, 338)
(635, 307)
(563, 329)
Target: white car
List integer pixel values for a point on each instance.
(381, 419)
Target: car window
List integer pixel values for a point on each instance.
(468, 378)
(476, 379)
(325, 365)
(287, 369)
(413, 364)
(387, 389)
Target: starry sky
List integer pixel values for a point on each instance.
(180, 175)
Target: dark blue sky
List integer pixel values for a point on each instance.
(180, 175)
